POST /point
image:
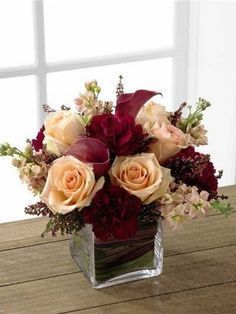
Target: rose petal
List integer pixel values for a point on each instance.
(91, 150)
(155, 184)
(132, 103)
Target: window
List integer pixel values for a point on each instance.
(51, 48)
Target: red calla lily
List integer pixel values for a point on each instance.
(37, 143)
(130, 104)
(91, 150)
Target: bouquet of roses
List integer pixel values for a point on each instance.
(116, 168)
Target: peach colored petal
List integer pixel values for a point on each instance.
(151, 116)
(97, 187)
(62, 128)
(163, 187)
(170, 141)
(70, 184)
(153, 181)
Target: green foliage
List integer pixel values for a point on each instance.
(194, 118)
(7, 150)
(86, 119)
(224, 208)
(94, 88)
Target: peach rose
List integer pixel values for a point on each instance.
(151, 117)
(154, 120)
(170, 141)
(141, 175)
(62, 128)
(70, 184)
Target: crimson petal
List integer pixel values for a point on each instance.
(132, 103)
(91, 150)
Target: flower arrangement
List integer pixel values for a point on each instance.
(114, 168)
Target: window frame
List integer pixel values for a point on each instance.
(178, 52)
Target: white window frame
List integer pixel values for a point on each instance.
(179, 53)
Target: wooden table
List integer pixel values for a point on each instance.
(39, 276)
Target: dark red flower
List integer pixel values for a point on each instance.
(37, 143)
(194, 168)
(113, 213)
(119, 133)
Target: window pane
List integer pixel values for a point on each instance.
(81, 29)
(16, 33)
(18, 121)
(64, 87)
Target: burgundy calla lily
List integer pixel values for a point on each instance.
(130, 104)
(91, 150)
(37, 143)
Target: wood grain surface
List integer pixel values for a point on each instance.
(39, 276)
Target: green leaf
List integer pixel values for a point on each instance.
(224, 208)
(86, 119)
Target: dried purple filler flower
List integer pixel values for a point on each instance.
(175, 117)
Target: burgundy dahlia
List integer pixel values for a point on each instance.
(194, 168)
(37, 143)
(113, 213)
(119, 133)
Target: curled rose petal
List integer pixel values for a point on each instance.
(132, 103)
(91, 150)
(37, 143)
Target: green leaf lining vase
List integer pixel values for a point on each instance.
(118, 261)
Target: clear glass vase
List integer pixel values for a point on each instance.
(118, 261)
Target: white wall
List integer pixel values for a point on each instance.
(212, 75)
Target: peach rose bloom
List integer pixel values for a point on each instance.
(170, 141)
(62, 128)
(141, 175)
(70, 184)
(151, 117)
(154, 120)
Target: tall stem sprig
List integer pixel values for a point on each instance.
(7, 150)
(194, 117)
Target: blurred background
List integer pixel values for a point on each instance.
(48, 49)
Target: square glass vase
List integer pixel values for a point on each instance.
(117, 261)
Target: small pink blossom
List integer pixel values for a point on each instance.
(198, 135)
(175, 217)
(198, 204)
(183, 204)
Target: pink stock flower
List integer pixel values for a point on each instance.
(198, 204)
(175, 216)
(184, 204)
